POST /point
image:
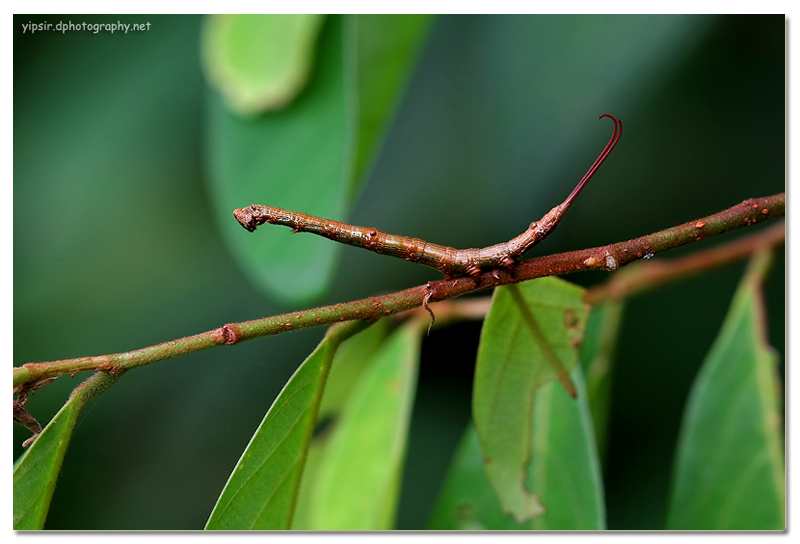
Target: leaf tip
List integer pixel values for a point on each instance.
(530, 507)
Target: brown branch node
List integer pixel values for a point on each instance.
(227, 334)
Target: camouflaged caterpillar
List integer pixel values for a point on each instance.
(448, 260)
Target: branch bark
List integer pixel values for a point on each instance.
(609, 258)
(646, 275)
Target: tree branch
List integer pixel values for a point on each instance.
(645, 275)
(610, 258)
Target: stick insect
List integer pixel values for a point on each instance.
(448, 260)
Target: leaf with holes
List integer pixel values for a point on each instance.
(514, 362)
(564, 472)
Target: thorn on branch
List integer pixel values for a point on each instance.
(425, 299)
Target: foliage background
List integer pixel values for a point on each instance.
(115, 245)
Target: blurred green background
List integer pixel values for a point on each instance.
(116, 246)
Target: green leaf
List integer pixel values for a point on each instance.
(259, 62)
(467, 501)
(730, 470)
(294, 159)
(564, 472)
(316, 451)
(36, 472)
(262, 490)
(311, 156)
(357, 481)
(597, 357)
(350, 360)
(513, 363)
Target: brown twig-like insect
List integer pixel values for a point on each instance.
(448, 260)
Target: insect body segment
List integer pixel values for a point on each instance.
(448, 260)
(442, 258)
